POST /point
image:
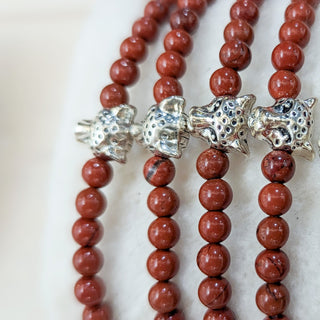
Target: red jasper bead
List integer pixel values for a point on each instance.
(174, 315)
(164, 233)
(91, 203)
(113, 95)
(275, 199)
(159, 171)
(245, 10)
(163, 201)
(185, 19)
(273, 232)
(214, 226)
(300, 11)
(284, 84)
(90, 290)
(272, 266)
(213, 260)
(313, 3)
(166, 87)
(220, 314)
(97, 173)
(164, 297)
(278, 166)
(212, 164)
(287, 56)
(133, 48)
(88, 261)
(272, 299)
(87, 232)
(163, 265)
(239, 30)
(225, 81)
(178, 40)
(124, 72)
(215, 194)
(199, 6)
(171, 64)
(99, 312)
(295, 31)
(215, 293)
(145, 28)
(156, 10)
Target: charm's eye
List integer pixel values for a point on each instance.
(164, 136)
(283, 107)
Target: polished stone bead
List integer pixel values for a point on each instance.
(87, 232)
(219, 314)
(145, 28)
(97, 173)
(166, 87)
(199, 6)
(178, 40)
(124, 72)
(91, 203)
(99, 312)
(156, 10)
(113, 95)
(171, 64)
(302, 11)
(133, 48)
(295, 31)
(225, 82)
(239, 30)
(245, 10)
(88, 261)
(185, 19)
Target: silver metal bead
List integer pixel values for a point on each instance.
(108, 134)
(223, 122)
(165, 128)
(287, 125)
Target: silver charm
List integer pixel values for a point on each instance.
(165, 130)
(287, 125)
(223, 122)
(108, 134)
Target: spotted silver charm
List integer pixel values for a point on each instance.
(287, 125)
(165, 128)
(223, 122)
(108, 134)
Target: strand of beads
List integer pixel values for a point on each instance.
(97, 173)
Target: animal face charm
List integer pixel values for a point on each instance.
(108, 134)
(164, 131)
(223, 122)
(287, 125)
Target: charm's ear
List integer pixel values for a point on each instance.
(307, 151)
(247, 102)
(311, 102)
(126, 113)
(136, 132)
(83, 131)
(172, 105)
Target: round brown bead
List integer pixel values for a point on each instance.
(272, 299)
(99, 312)
(199, 6)
(163, 201)
(145, 28)
(214, 226)
(220, 314)
(300, 11)
(295, 31)
(287, 56)
(273, 232)
(87, 232)
(278, 166)
(275, 199)
(215, 293)
(212, 164)
(272, 265)
(97, 173)
(235, 54)
(245, 10)
(88, 261)
(171, 64)
(159, 171)
(225, 81)
(284, 84)
(213, 260)
(257, 2)
(164, 297)
(163, 233)
(313, 3)
(163, 265)
(166, 87)
(124, 72)
(133, 48)
(113, 95)
(178, 40)
(185, 19)
(90, 203)
(156, 10)
(90, 290)
(239, 30)
(174, 315)
(215, 194)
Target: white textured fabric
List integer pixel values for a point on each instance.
(125, 244)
